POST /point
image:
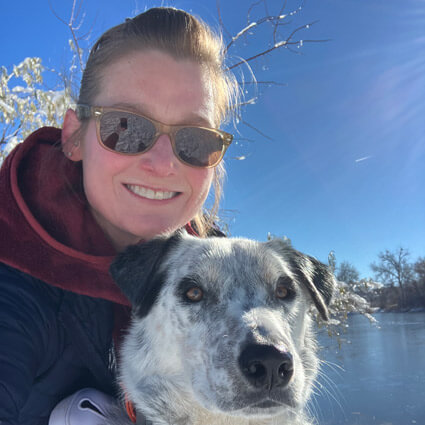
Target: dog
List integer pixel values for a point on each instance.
(221, 330)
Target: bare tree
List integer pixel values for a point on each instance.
(347, 273)
(419, 279)
(394, 269)
(419, 268)
(273, 24)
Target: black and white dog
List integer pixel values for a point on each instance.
(221, 331)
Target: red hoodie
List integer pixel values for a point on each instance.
(46, 227)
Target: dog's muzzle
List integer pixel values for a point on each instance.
(265, 367)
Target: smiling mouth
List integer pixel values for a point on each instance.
(157, 195)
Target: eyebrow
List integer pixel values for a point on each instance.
(192, 119)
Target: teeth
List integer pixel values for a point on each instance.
(149, 193)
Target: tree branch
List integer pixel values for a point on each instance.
(255, 129)
(257, 83)
(277, 23)
(223, 28)
(72, 27)
(280, 44)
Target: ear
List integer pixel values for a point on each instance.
(71, 124)
(138, 272)
(314, 275)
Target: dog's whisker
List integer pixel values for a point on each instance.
(314, 407)
(330, 390)
(335, 367)
(327, 381)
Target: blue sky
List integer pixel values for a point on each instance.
(342, 168)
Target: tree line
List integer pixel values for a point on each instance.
(398, 283)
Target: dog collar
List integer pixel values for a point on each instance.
(129, 407)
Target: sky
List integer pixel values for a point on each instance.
(337, 163)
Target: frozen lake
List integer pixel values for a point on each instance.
(382, 380)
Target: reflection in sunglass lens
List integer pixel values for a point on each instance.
(198, 146)
(125, 132)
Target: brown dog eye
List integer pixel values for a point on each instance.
(195, 294)
(281, 292)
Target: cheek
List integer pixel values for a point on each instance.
(99, 164)
(200, 181)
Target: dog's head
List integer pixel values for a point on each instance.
(223, 321)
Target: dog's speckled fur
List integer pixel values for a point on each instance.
(179, 362)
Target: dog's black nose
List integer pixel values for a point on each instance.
(265, 366)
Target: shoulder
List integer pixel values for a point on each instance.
(44, 302)
(23, 288)
(28, 308)
(49, 319)
(8, 272)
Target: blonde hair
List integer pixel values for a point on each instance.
(182, 36)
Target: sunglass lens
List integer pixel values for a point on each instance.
(126, 133)
(198, 146)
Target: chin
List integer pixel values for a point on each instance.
(265, 409)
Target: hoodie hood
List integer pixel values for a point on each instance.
(46, 227)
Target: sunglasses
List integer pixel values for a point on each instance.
(129, 133)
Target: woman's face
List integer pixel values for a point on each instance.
(138, 197)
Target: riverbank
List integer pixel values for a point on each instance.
(397, 309)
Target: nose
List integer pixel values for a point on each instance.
(266, 367)
(159, 159)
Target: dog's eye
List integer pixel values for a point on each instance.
(195, 294)
(282, 292)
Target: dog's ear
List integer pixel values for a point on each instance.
(314, 275)
(137, 271)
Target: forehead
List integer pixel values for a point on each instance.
(232, 263)
(155, 84)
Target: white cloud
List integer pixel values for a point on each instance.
(363, 159)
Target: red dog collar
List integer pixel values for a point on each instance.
(129, 407)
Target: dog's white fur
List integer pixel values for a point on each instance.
(180, 362)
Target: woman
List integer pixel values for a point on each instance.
(137, 158)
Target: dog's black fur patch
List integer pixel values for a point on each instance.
(137, 272)
(314, 275)
(319, 283)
